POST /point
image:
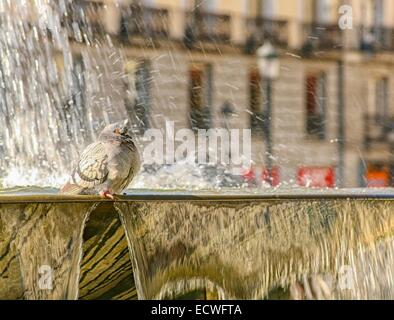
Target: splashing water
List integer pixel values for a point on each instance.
(61, 80)
(54, 97)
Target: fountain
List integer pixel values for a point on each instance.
(233, 246)
(54, 97)
(151, 244)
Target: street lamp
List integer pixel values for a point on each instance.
(269, 67)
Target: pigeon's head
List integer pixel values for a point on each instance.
(116, 131)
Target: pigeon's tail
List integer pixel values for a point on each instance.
(70, 188)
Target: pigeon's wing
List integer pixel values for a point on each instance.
(91, 171)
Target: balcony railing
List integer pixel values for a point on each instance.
(203, 26)
(323, 36)
(84, 20)
(376, 38)
(146, 22)
(378, 128)
(261, 29)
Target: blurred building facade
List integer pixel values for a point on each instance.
(333, 116)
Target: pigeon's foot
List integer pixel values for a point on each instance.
(106, 194)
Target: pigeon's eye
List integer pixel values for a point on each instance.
(117, 131)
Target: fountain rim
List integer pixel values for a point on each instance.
(199, 196)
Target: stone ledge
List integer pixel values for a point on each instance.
(219, 196)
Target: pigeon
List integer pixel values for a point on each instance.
(106, 166)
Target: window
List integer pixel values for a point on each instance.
(75, 101)
(381, 100)
(378, 13)
(205, 5)
(200, 96)
(321, 10)
(255, 103)
(78, 93)
(378, 32)
(138, 105)
(267, 8)
(315, 105)
(78, 83)
(150, 3)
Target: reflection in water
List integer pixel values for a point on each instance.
(245, 250)
(106, 271)
(227, 249)
(40, 249)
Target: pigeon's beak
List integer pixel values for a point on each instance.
(124, 127)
